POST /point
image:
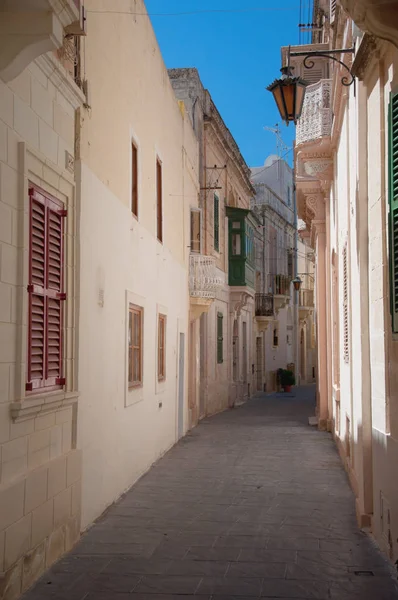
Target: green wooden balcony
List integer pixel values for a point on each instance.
(241, 226)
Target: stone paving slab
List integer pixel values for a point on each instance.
(253, 503)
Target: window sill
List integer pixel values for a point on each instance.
(135, 386)
(40, 404)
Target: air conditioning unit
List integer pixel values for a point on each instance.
(78, 27)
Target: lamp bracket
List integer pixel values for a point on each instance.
(309, 63)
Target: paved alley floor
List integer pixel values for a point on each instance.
(252, 503)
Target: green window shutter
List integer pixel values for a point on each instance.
(220, 339)
(393, 202)
(216, 223)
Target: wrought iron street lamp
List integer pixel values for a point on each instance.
(288, 92)
(297, 283)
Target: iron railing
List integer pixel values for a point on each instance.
(264, 305)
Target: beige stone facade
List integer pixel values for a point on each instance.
(224, 179)
(276, 315)
(40, 473)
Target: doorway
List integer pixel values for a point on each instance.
(235, 351)
(244, 350)
(181, 373)
(303, 366)
(259, 363)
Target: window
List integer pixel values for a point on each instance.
(250, 244)
(220, 339)
(136, 314)
(393, 205)
(345, 305)
(276, 338)
(236, 245)
(195, 230)
(216, 223)
(161, 347)
(46, 291)
(159, 201)
(134, 179)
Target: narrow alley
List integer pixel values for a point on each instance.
(252, 503)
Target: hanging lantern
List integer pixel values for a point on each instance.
(288, 92)
(297, 283)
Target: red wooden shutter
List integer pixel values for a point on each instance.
(46, 293)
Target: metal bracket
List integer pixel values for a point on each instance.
(309, 63)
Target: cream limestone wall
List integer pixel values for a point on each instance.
(366, 424)
(40, 473)
(122, 433)
(384, 344)
(306, 368)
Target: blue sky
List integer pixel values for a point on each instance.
(237, 55)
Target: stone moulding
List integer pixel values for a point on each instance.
(41, 404)
(37, 29)
(377, 17)
(367, 51)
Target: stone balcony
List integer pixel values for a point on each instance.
(204, 282)
(313, 154)
(316, 118)
(30, 28)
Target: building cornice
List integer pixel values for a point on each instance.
(366, 55)
(376, 17)
(215, 120)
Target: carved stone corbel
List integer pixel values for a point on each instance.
(368, 50)
(239, 304)
(376, 17)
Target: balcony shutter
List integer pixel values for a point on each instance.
(345, 305)
(313, 75)
(46, 294)
(393, 215)
(333, 4)
(216, 223)
(220, 339)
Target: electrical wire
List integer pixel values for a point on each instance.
(195, 12)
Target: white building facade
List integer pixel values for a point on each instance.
(274, 205)
(135, 205)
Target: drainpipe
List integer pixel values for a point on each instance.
(295, 293)
(264, 276)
